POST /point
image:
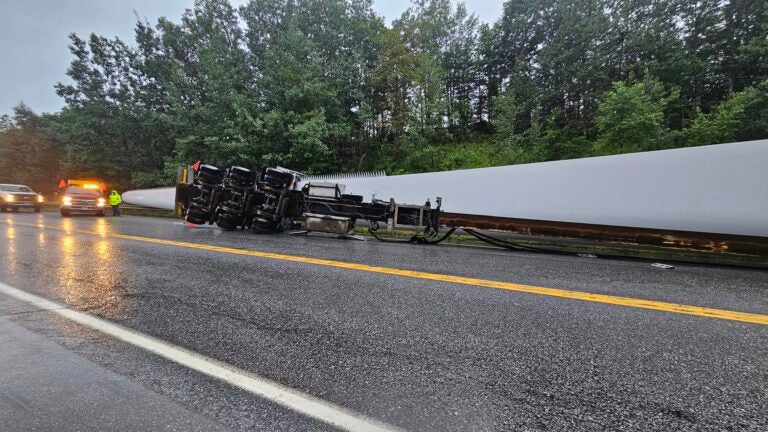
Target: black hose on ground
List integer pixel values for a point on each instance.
(418, 239)
(512, 245)
(502, 243)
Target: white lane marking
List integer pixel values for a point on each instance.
(263, 387)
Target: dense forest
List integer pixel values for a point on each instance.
(325, 86)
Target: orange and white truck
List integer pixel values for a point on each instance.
(83, 197)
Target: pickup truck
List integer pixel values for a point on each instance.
(14, 197)
(82, 200)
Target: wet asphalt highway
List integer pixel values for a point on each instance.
(413, 353)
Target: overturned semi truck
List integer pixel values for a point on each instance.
(269, 202)
(706, 198)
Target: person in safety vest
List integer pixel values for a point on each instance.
(114, 200)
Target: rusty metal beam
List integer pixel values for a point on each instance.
(687, 240)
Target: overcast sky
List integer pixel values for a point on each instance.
(33, 37)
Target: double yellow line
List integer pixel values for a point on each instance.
(723, 314)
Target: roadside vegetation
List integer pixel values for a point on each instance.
(325, 86)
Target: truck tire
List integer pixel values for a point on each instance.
(196, 217)
(263, 226)
(227, 221)
(64, 213)
(37, 209)
(210, 174)
(242, 176)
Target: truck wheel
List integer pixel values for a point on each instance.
(3, 208)
(227, 221)
(14, 209)
(263, 226)
(64, 213)
(37, 209)
(210, 174)
(196, 217)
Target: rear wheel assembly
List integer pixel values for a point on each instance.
(227, 221)
(196, 217)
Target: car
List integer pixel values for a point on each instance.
(82, 199)
(15, 196)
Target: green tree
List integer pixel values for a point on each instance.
(461, 63)
(444, 96)
(393, 80)
(295, 96)
(110, 127)
(488, 78)
(750, 64)
(324, 85)
(630, 117)
(36, 160)
(314, 56)
(742, 117)
(208, 86)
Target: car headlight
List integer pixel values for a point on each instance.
(9, 198)
(100, 202)
(67, 201)
(39, 198)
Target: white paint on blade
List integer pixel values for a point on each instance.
(263, 387)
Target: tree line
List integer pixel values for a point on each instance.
(325, 85)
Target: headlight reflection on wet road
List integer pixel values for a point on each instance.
(10, 253)
(88, 268)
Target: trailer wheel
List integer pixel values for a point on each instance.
(242, 176)
(227, 221)
(196, 217)
(210, 174)
(263, 226)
